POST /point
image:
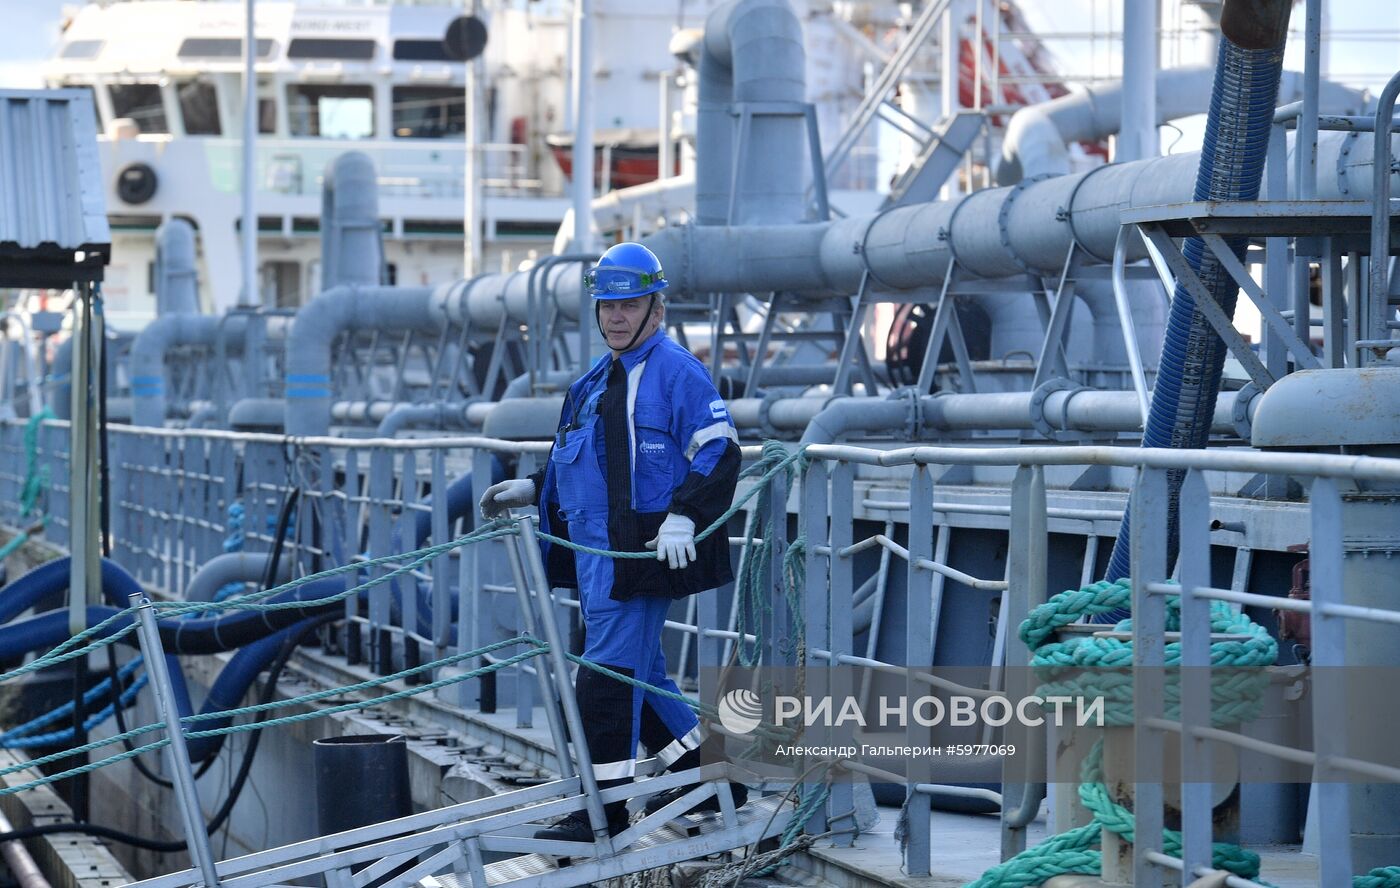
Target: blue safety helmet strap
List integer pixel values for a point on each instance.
(620, 282)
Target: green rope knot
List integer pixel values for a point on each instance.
(1085, 666)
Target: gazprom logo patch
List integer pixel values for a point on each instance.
(717, 409)
(740, 711)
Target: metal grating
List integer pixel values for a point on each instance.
(53, 219)
(766, 810)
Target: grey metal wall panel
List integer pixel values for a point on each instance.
(51, 194)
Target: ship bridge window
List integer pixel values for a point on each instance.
(199, 108)
(334, 111)
(429, 112)
(326, 48)
(140, 102)
(222, 48)
(421, 51)
(81, 49)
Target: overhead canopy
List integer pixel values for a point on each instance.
(53, 215)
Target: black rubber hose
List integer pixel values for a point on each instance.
(235, 789)
(274, 557)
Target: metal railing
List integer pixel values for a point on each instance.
(170, 491)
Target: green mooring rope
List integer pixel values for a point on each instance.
(36, 482)
(1084, 666)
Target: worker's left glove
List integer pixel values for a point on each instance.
(675, 541)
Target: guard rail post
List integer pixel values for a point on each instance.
(593, 803)
(196, 836)
(919, 656)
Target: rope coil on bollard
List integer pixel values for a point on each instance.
(1236, 696)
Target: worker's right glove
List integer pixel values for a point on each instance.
(501, 498)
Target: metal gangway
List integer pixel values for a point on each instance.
(450, 846)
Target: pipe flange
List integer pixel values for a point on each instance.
(1066, 214)
(1004, 214)
(946, 234)
(1040, 396)
(1343, 154)
(914, 421)
(1240, 414)
(860, 248)
(764, 406)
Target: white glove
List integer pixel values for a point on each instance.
(675, 541)
(501, 498)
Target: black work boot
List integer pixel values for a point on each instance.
(707, 806)
(574, 827)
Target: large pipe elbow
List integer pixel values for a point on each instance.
(1033, 145)
(233, 567)
(352, 251)
(148, 353)
(752, 52)
(177, 278)
(320, 321)
(258, 415)
(439, 416)
(845, 415)
(1038, 136)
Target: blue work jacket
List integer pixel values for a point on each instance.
(683, 457)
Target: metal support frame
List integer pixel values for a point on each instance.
(853, 347)
(1125, 321)
(1052, 363)
(1302, 354)
(537, 284)
(746, 112)
(1210, 309)
(947, 327)
(1378, 305)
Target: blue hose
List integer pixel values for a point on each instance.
(23, 735)
(459, 504)
(1193, 355)
(51, 580)
(203, 635)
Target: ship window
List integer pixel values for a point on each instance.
(82, 49)
(221, 48)
(199, 108)
(421, 51)
(324, 48)
(334, 111)
(429, 112)
(283, 279)
(140, 102)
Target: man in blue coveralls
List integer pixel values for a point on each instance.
(646, 454)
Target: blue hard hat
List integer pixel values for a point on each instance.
(625, 271)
